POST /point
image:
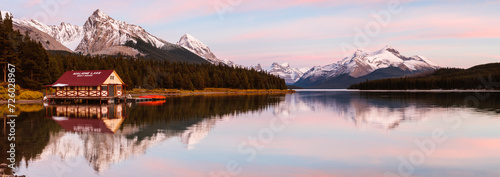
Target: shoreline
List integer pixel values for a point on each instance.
(210, 92)
(22, 101)
(213, 92)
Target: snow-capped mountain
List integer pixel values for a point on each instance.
(105, 35)
(42, 33)
(256, 67)
(197, 47)
(284, 71)
(4, 13)
(363, 63)
(67, 34)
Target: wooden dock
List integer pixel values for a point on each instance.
(138, 100)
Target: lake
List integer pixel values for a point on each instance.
(307, 133)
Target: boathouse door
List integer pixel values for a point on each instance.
(111, 90)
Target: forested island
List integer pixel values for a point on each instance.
(486, 76)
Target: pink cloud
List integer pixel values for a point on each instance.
(425, 24)
(283, 4)
(323, 27)
(169, 11)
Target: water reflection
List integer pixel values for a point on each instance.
(88, 118)
(108, 134)
(384, 110)
(103, 135)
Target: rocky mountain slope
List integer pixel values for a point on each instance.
(103, 35)
(284, 71)
(199, 48)
(363, 65)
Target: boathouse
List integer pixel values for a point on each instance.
(87, 85)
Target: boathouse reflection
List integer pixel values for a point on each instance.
(88, 118)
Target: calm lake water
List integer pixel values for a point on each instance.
(308, 133)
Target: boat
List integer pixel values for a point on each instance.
(152, 103)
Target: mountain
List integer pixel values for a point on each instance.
(257, 67)
(284, 71)
(197, 47)
(67, 34)
(361, 66)
(103, 35)
(48, 42)
(4, 13)
(35, 32)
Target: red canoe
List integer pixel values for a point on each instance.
(152, 103)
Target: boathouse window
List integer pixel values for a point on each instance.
(72, 88)
(104, 87)
(112, 77)
(118, 87)
(93, 88)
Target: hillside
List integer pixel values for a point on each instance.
(363, 65)
(486, 76)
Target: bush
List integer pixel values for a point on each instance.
(31, 95)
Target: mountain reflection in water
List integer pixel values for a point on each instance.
(103, 135)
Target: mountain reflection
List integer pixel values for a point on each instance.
(108, 134)
(384, 110)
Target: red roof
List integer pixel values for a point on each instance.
(84, 125)
(82, 78)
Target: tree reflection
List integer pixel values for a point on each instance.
(107, 134)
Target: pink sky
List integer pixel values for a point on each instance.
(301, 32)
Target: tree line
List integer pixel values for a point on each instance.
(37, 67)
(486, 76)
(29, 57)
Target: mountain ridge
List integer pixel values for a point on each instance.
(363, 63)
(194, 45)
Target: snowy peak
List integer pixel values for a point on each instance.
(284, 71)
(105, 35)
(4, 14)
(197, 47)
(257, 67)
(67, 34)
(99, 14)
(286, 65)
(362, 63)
